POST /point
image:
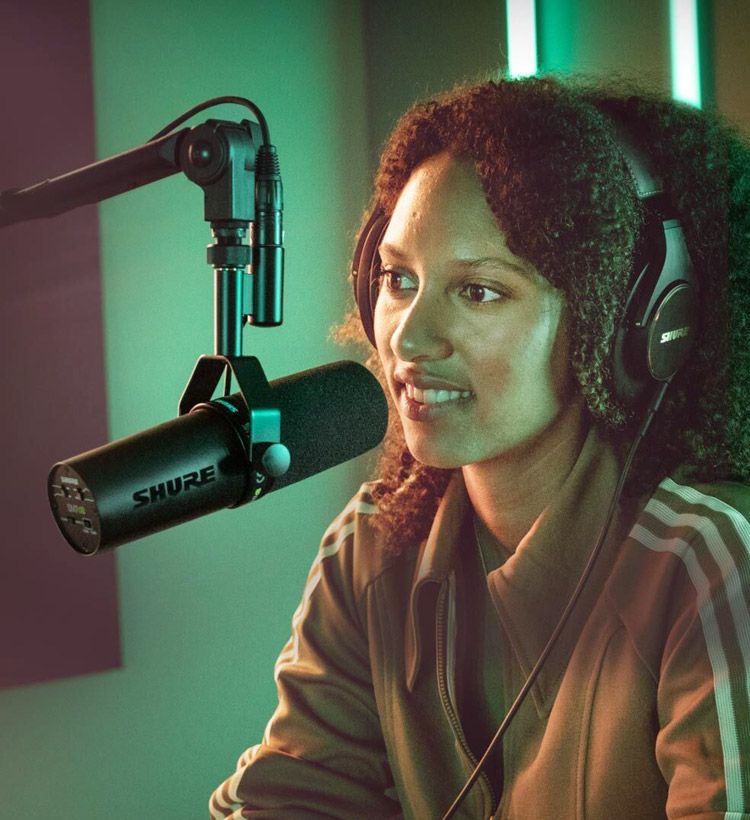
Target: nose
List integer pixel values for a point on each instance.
(422, 331)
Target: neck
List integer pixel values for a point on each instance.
(509, 492)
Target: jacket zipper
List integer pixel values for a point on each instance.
(448, 706)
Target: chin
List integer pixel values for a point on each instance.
(432, 455)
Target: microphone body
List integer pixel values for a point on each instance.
(198, 463)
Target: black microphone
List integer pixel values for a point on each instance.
(198, 463)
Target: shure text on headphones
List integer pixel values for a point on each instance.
(671, 335)
(174, 486)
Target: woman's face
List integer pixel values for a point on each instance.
(472, 338)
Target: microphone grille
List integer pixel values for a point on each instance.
(328, 415)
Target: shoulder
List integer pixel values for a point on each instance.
(685, 559)
(355, 518)
(354, 547)
(705, 524)
(694, 632)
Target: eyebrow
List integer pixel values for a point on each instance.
(470, 264)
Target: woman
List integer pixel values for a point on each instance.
(510, 227)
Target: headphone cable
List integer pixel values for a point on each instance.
(516, 705)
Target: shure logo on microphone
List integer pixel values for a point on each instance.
(174, 486)
(671, 335)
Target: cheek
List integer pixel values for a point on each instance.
(382, 332)
(381, 316)
(533, 366)
(560, 371)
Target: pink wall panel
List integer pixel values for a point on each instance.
(58, 610)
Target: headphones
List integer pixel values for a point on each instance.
(655, 334)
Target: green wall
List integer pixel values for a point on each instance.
(421, 47)
(589, 37)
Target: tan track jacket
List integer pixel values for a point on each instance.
(642, 710)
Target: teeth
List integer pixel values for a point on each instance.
(434, 396)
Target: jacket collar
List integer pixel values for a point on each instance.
(530, 590)
(434, 564)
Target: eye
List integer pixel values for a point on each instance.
(395, 281)
(475, 292)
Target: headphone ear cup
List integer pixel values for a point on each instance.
(653, 340)
(629, 374)
(366, 268)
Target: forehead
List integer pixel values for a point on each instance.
(442, 210)
(443, 189)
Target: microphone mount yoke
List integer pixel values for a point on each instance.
(260, 421)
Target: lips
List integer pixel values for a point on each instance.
(422, 380)
(423, 397)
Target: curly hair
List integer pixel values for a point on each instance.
(548, 161)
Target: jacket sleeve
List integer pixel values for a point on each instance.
(703, 745)
(323, 753)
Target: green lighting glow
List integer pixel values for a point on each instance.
(521, 21)
(686, 70)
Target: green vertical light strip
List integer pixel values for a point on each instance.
(521, 23)
(685, 51)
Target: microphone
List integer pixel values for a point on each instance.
(198, 462)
